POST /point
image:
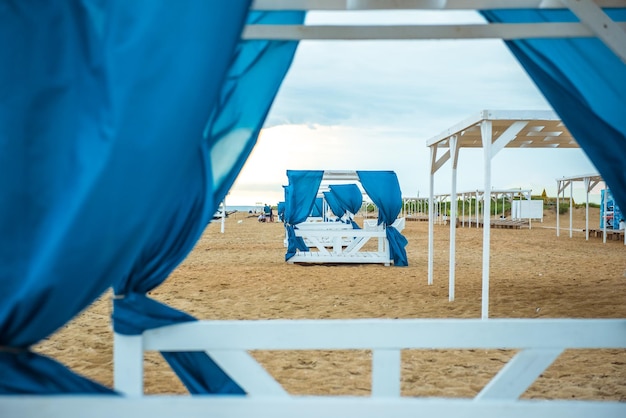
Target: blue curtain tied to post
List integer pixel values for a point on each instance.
(584, 82)
(300, 195)
(384, 190)
(108, 178)
(252, 82)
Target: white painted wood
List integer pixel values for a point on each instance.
(339, 5)
(504, 31)
(300, 407)
(587, 182)
(558, 215)
(365, 334)
(128, 364)
(518, 374)
(604, 204)
(386, 373)
(350, 253)
(454, 148)
(486, 135)
(247, 372)
(431, 212)
(541, 340)
(571, 208)
(601, 24)
(507, 136)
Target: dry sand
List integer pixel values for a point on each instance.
(241, 274)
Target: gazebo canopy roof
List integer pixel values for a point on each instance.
(592, 177)
(544, 129)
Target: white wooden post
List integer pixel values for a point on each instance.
(485, 128)
(571, 206)
(128, 364)
(386, 373)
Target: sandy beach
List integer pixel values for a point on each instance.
(241, 274)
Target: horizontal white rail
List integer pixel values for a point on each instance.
(594, 22)
(337, 5)
(388, 334)
(538, 341)
(301, 407)
(504, 31)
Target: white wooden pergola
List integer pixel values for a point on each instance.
(492, 131)
(590, 181)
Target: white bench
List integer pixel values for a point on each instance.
(342, 246)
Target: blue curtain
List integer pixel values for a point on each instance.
(318, 208)
(280, 209)
(384, 190)
(334, 204)
(245, 98)
(104, 165)
(300, 196)
(350, 198)
(584, 81)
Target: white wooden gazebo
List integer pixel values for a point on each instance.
(590, 181)
(491, 130)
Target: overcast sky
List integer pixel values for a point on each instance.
(349, 105)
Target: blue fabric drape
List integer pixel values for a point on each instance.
(334, 204)
(245, 100)
(350, 199)
(318, 208)
(252, 83)
(300, 196)
(101, 116)
(384, 190)
(280, 209)
(584, 82)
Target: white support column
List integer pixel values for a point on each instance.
(571, 206)
(558, 220)
(386, 366)
(477, 209)
(469, 215)
(604, 204)
(587, 181)
(454, 147)
(486, 133)
(530, 220)
(463, 208)
(128, 364)
(431, 213)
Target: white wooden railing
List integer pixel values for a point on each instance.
(538, 341)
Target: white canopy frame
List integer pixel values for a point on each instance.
(593, 21)
(590, 181)
(492, 130)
